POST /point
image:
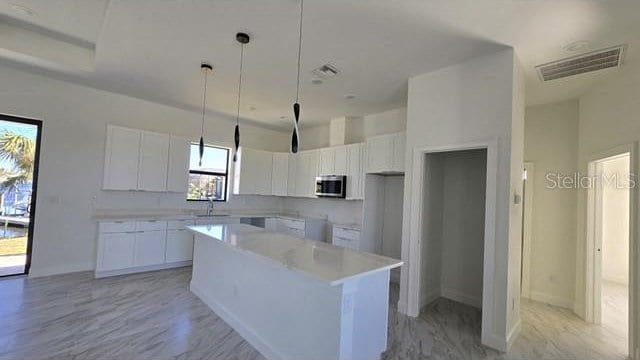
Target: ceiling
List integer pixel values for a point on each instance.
(152, 49)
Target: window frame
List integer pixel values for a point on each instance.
(225, 174)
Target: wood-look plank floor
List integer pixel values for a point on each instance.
(154, 316)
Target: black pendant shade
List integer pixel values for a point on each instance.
(201, 149)
(243, 39)
(295, 137)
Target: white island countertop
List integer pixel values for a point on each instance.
(322, 261)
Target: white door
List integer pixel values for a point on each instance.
(178, 173)
(121, 159)
(116, 251)
(327, 159)
(154, 158)
(280, 174)
(149, 248)
(179, 246)
(340, 164)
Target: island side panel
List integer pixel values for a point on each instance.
(283, 314)
(365, 307)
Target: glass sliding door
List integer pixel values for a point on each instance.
(19, 154)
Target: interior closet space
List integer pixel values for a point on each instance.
(382, 216)
(452, 250)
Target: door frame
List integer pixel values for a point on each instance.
(412, 250)
(594, 242)
(34, 188)
(527, 229)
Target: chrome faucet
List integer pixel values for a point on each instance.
(210, 207)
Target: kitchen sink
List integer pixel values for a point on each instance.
(215, 215)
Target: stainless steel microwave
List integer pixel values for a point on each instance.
(331, 186)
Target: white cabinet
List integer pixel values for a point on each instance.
(280, 174)
(333, 161)
(253, 172)
(293, 175)
(149, 248)
(306, 173)
(271, 224)
(385, 153)
(179, 246)
(349, 238)
(178, 167)
(122, 154)
(154, 155)
(355, 171)
(115, 251)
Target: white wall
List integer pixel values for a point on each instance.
(615, 221)
(392, 216)
(71, 165)
(551, 144)
(477, 101)
(388, 122)
(313, 137)
(431, 249)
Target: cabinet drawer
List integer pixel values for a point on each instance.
(293, 224)
(346, 233)
(179, 224)
(295, 232)
(346, 243)
(151, 225)
(116, 226)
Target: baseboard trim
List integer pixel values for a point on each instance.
(461, 297)
(245, 331)
(429, 297)
(102, 274)
(495, 342)
(552, 300)
(513, 334)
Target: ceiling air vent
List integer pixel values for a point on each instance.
(326, 71)
(580, 64)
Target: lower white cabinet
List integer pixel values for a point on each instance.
(134, 246)
(149, 248)
(345, 237)
(116, 251)
(179, 246)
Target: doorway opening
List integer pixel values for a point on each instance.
(453, 240)
(608, 226)
(19, 154)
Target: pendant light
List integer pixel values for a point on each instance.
(243, 39)
(295, 138)
(205, 68)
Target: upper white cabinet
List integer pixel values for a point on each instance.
(178, 172)
(144, 160)
(280, 174)
(355, 171)
(333, 161)
(293, 175)
(385, 153)
(253, 171)
(306, 173)
(153, 165)
(122, 154)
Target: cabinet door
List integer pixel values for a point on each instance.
(253, 172)
(178, 172)
(280, 174)
(122, 154)
(149, 248)
(327, 160)
(354, 172)
(179, 246)
(340, 164)
(116, 251)
(305, 183)
(399, 142)
(293, 175)
(271, 224)
(265, 173)
(379, 154)
(154, 158)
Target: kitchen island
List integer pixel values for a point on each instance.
(293, 298)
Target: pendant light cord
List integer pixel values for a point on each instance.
(240, 83)
(299, 50)
(204, 99)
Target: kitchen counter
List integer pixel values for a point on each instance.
(318, 260)
(293, 298)
(187, 216)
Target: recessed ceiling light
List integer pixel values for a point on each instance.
(349, 96)
(577, 46)
(283, 117)
(252, 108)
(23, 10)
(316, 81)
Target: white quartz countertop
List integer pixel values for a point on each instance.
(322, 261)
(217, 215)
